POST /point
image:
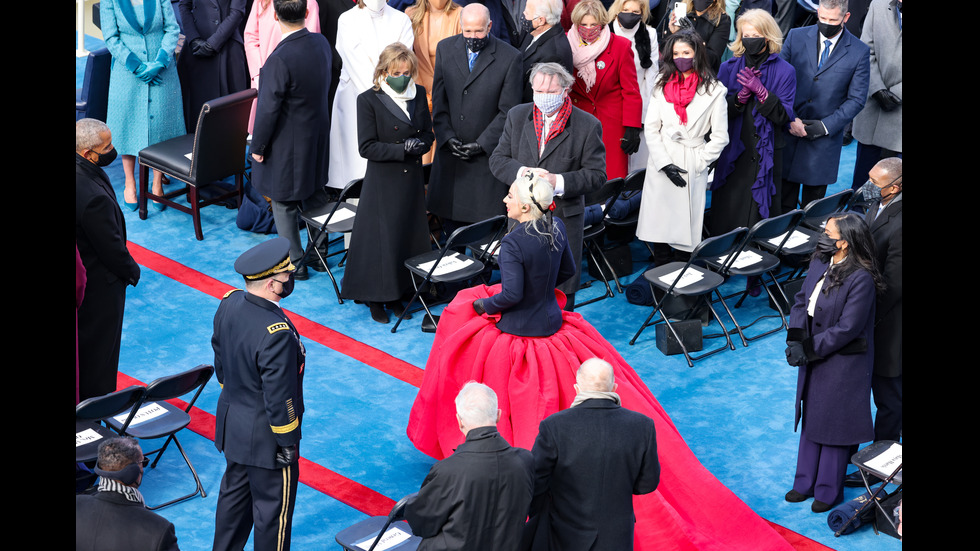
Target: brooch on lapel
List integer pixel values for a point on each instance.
(600, 65)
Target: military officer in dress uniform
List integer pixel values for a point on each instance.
(258, 358)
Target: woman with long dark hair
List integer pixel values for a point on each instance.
(686, 130)
(831, 340)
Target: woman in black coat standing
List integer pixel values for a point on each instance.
(394, 129)
(708, 19)
(831, 340)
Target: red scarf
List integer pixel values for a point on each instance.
(557, 125)
(680, 91)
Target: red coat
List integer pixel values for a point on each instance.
(614, 99)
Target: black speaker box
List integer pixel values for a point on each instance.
(689, 331)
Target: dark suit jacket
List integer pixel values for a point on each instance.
(108, 521)
(834, 94)
(292, 118)
(887, 233)
(552, 46)
(471, 106)
(577, 154)
(258, 360)
(476, 499)
(589, 461)
(529, 271)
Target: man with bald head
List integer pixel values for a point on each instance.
(477, 498)
(589, 461)
(477, 80)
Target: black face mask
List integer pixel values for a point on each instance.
(754, 46)
(701, 5)
(526, 24)
(628, 20)
(828, 30)
(477, 44)
(287, 286)
(826, 246)
(105, 159)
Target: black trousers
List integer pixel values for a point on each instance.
(255, 496)
(887, 392)
(791, 191)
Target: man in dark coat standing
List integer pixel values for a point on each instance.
(832, 71)
(477, 80)
(292, 124)
(258, 360)
(568, 153)
(116, 518)
(545, 40)
(589, 461)
(100, 236)
(477, 498)
(213, 61)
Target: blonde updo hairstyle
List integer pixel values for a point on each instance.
(537, 195)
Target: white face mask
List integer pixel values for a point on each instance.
(374, 5)
(548, 103)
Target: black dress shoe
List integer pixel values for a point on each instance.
(821, 507)
(853, 480)
(301, 273)
(315, 265)
(397, 308)
(793, 496)
(428, 325)
(378, 313)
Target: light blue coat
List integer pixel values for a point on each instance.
(139, 114)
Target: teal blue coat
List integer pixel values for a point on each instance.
(141, 115)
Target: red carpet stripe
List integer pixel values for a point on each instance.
(315, 476)
(339, 342)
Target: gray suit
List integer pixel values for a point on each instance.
(882, 33)
(577, 153)
(470, 106)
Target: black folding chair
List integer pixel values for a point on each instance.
(92, 417)
(425, 265)
(336, 217)
(376, 529)
(868, 460)
(817, 212)
(689, 279)
(763, 263)
(604, 197)
(164, 419)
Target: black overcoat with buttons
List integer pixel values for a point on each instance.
(391, 225)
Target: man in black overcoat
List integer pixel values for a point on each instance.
(258, 360)
(590, 460)
(292, 125)
(100, 235)
(469, 107)
(116, 518)
(573, 161)
(545, 41)
(477, 498)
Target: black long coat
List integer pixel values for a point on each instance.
(292, 120)
(887, 233)
(553, 46)
(108, 521)
(390, 226)
(471, 106)
(589, 462)
(206, 78)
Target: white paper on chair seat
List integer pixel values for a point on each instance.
(492, 246)
(339, 216)
(190, 156)
(744, 258)
(393, 536)
(690, 276)
(87, 436)
(145, 413)
(798, 238)
(886, 461)
(450, 263)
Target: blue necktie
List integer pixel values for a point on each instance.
(825, 54)
(472, 58)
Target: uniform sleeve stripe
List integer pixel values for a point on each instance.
(283, 429)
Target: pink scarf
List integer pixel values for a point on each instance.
(583, 55)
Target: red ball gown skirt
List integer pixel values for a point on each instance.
(533, 378)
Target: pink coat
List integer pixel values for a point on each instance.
(262, 35)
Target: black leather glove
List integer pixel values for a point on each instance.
(286, 457)
(814, 129)
(674, 173)
(414, 146)
(478, 306)
(887, 100)
(201, 48)
(471, 149)
(455, 147)
(795, 355)
(630, 142)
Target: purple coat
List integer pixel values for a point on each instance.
(779, 78)
(835, 389)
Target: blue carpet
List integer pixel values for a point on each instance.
(735, 409)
